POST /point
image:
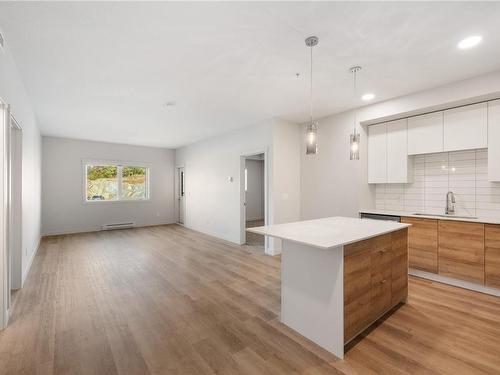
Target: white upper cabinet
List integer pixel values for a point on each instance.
(494, 140)
(397, 152)
(466, 127)
(425, 134)
(377, 154)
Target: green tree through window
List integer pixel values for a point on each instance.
(116, 182)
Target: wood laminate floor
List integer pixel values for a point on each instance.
(167, 300)
(254, 239)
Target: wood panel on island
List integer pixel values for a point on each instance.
(375, 280)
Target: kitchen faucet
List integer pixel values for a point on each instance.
(450, 203)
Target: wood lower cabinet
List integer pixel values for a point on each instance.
(461, 250)
(492, 255)
(357, 288)
(399, 275)
(375, 279)
(422, 243)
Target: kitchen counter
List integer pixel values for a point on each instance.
(485, 220)
(330, 232)
(328, 259)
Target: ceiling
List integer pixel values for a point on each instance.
(104, 71)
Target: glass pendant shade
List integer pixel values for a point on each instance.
(354, 154)
(312, 138)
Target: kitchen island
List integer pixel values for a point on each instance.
(339, 275)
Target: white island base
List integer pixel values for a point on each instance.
(312, 294)
(312, 275)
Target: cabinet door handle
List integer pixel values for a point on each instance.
(383, 251)
(383, 281)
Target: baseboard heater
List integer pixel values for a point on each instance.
(118, 226)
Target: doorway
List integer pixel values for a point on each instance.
(254, 197)
(181, 194)
(11, 210)
(14, 207)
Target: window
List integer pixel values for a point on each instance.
(116, 182)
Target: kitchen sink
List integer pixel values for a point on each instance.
(444, 215)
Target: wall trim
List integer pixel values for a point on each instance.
(255, 218)
(209, 233)
(30, 261)
(455, 282)
(99, 229)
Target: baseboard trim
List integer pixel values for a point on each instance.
(99, 229)
(254, 218)
(209, 233)
(30, 261)
(272, 253)
(455, 282)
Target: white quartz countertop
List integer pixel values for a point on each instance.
(486, 220)
(329, 232)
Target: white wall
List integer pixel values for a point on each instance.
(12, 92)
(332, 184)
(212, 202)
(254, 196)
(287, 140)
(63, 209)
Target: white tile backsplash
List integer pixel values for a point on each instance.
(463, 172)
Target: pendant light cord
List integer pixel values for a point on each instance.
(354, 73)
(311, 92)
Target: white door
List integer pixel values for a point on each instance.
(15, 204)
(181, 189)
(4, 258)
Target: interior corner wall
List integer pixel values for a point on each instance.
(286, 179)
(212, 200)
(12, 92)
(331, 183)
(64, 209)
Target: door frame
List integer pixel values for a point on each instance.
(243, 158)
(15, 207)
(4, 260)
(177, 194)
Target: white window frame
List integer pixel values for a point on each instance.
(119, 165)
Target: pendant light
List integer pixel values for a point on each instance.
(312, 126)
(355, 136)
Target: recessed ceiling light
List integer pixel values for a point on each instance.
(470, 41)
(368, 96)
